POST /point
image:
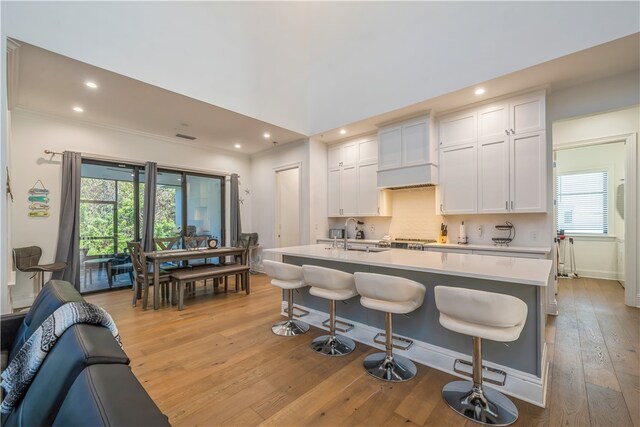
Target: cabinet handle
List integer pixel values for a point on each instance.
(512, 205)
(506, 131)
(506, 205)
(513, 132)
(441, 207)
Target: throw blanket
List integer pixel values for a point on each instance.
(23, 368)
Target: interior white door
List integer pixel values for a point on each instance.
(288, 207)
(493, 175)
(528, 172)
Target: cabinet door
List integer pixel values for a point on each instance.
(349, 154)
(415, 143)
(390, 148)
(333, 193)
(334, 157)
(528, 172)
(368, 151)
(493, 121)
(368, 193)
(493, 175)
(348, 191)
(458, 129)
(527, 114)
(459, 179)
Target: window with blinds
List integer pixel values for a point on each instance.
(583, 202)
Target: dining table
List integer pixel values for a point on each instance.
(156, 258)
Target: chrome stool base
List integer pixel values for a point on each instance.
(289, 328)
(394, 368)
(484, 406)
(333, 346)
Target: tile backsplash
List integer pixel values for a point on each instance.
(414, 214)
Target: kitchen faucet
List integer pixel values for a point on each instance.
(346, 230)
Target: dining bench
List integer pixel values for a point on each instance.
(214, 272)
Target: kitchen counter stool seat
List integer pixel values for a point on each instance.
(288, 277)
(333, 285)
(391, 295)
(487, 315)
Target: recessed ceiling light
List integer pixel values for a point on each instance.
(480, 91)
(267, 135)
(343, 131)
(92, 85)
(78, 109)
(238, 146)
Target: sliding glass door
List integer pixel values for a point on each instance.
(111, 210)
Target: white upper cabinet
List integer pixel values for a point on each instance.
(506, 140)
(342, 155)
(528, 172)
(367, 151)
(352, 182)
(526, 114)
(390, 148)
(458, 129)
(458, 179)
(493, 175)
(493, 121)
(333, 193)
(415, 143)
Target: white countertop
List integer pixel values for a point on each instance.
(524, 271)
(526, 249)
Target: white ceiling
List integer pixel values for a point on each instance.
(53, 84)
(609, 59)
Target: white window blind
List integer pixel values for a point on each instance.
(583, 202)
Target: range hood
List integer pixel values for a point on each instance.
(423, 175)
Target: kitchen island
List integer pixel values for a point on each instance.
(524, 360)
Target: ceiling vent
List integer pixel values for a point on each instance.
(183, 136)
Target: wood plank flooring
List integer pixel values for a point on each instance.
(217, 363)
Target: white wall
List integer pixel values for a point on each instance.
(596, 256)
(263, 192)
(237, 55)
(33, 133)
(369, 58)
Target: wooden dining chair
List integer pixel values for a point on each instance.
(142, 285)
(166, 243)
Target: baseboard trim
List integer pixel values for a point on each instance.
(598, 274)
(519, 384)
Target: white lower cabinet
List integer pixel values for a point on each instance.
(458, 179)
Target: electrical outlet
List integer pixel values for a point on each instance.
(480, 231)
(372, 228)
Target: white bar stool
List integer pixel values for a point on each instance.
(289, 277)
(332, 285)
(487, 315)
(393, 295)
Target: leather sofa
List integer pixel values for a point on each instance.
(85, 379)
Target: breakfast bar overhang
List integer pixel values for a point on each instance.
(524, 360)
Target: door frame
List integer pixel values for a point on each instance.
(276, 208)
(631, 251)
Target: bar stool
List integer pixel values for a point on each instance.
(392, 295)
(487, 315)
(332, 285)
(289, 277)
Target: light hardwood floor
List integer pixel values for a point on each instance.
(217, 363)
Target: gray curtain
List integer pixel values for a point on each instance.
(68, 249)
(149, 209)
(235, 226)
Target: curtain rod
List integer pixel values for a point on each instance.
(91, 156)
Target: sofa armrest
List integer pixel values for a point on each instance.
(9, 325)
